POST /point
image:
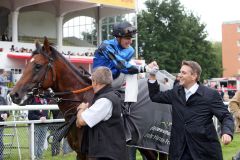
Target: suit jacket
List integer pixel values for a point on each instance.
(192, 123)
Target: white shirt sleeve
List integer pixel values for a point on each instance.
(101, 110)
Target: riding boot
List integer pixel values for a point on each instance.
(126, 113)
(127, 107)
(127, 131)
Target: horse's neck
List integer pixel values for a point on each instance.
(68, 80)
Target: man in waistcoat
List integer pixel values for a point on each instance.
(106, 138)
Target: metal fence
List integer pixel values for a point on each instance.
(21, 139)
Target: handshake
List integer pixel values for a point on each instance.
(152, 68)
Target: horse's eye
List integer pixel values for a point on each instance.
(38, 67)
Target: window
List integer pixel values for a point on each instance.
(238, 57)
(238, 28)
(108, 22)
(239, 71)
(238, 43)
(16, 71)
(82, 28)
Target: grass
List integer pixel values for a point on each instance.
(230, 150)
(11, 153)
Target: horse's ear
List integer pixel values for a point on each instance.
(38, 45)
(46, 45)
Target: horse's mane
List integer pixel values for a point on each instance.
(81, 72)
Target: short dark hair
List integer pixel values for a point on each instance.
(196, 68)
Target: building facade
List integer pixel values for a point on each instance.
(231, 48)
(75, 28)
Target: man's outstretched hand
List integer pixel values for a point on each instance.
(152, 68)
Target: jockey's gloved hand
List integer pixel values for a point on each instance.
(151, 70)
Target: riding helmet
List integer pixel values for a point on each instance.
(124, 29)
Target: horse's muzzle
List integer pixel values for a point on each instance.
(15, 98)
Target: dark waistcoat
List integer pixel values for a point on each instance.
(107, 138)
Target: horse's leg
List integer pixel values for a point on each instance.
(163, 156)
(81, 157)
(149, 154)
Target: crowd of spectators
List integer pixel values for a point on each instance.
(226, 91)
(88, 54)
(21, 50)
(27, 50)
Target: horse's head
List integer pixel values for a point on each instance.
(39, 74)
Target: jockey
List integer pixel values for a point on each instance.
(116, 54)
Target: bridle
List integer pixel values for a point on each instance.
(39, 87)
(38, 91)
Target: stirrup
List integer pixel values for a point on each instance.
(127, 107)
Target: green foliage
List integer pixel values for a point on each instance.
(12, 151)
(232, 149)
(217, 50)
(169, 34)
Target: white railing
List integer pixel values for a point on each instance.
(29, 122)
(33, 122)
(28, 107)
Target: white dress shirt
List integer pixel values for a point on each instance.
(101, 110)
(191, 90)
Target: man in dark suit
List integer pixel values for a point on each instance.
(193, 134)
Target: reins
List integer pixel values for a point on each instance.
(63, 130)
(53, 95)
(72, 92)
(39, 90)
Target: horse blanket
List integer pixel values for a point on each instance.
(150, 123)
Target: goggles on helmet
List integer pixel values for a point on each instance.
(129, 32)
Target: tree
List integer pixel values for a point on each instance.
(217, 50)
(169, 34)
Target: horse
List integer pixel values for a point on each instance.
(48, 68)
